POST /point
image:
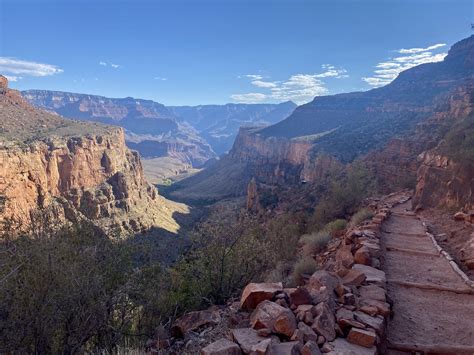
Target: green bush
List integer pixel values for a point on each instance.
(314, 243)
(305, 266)
(335, 226)
(360, 216)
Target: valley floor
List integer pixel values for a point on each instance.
(433, 307)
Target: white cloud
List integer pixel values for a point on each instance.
(160, 78)
(418, 50)
(330, 71)
(13, 78)
(23, 67)
(105, 64)
(254, 76)
(250, 98)
(299, 88)
(387, 71)
(264, 84)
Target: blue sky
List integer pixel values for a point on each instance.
(201, 51)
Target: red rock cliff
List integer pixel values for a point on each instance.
(77, 169)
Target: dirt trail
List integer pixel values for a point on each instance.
(433, 309)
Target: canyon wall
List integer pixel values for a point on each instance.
(75, 170)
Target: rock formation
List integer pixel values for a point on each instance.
(151, 128)
(74, 169)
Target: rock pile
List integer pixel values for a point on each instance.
(339, 310)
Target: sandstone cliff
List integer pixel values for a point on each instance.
(74, 170)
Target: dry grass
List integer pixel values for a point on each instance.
(305, 266)
(361, 216)
(314, 243)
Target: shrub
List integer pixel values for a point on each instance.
(361, 215)
(305, 266)
(314, 243)
(334, 226)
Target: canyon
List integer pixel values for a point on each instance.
(172, 140)
(398, 131)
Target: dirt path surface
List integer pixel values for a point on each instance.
(433, 309)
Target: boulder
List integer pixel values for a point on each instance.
(289, 348)
(376, 322)
(221, 347)
(362, 256)
(353, 278)
(372, 275)
(299, 296)
(324, 322)
(254, 293)
(345, 319)
(297, 336)
(344, 255)
(310, 348)
(262, 347)
(365, 338)
(194, 320)
(308, 333)
(272, 316)
(247, 338)
(372, 292)
(323, 278)
(343, 347)
(383, 308)
(460, 216)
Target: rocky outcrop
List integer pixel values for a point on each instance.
(442, 182)
(76, 169)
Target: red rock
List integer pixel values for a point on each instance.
(373, 292)
(353, 278)
(324, 322)
(3, 82)
(365, 338)
(222, 347)
(247, 338)
(375, 322)
(299, 296)
(262, 347)
(372, 275)
(308, 333)
(362, 256)
(383, 308)
(460, 216)
(194, 320)
(289, 348)
(310, 348)
(323, 278)
(370, 310)
(254, 293)
(298, 336)
(343, 347)
(275, 317)
(348, 299)
(264, 332)
(344, 255)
